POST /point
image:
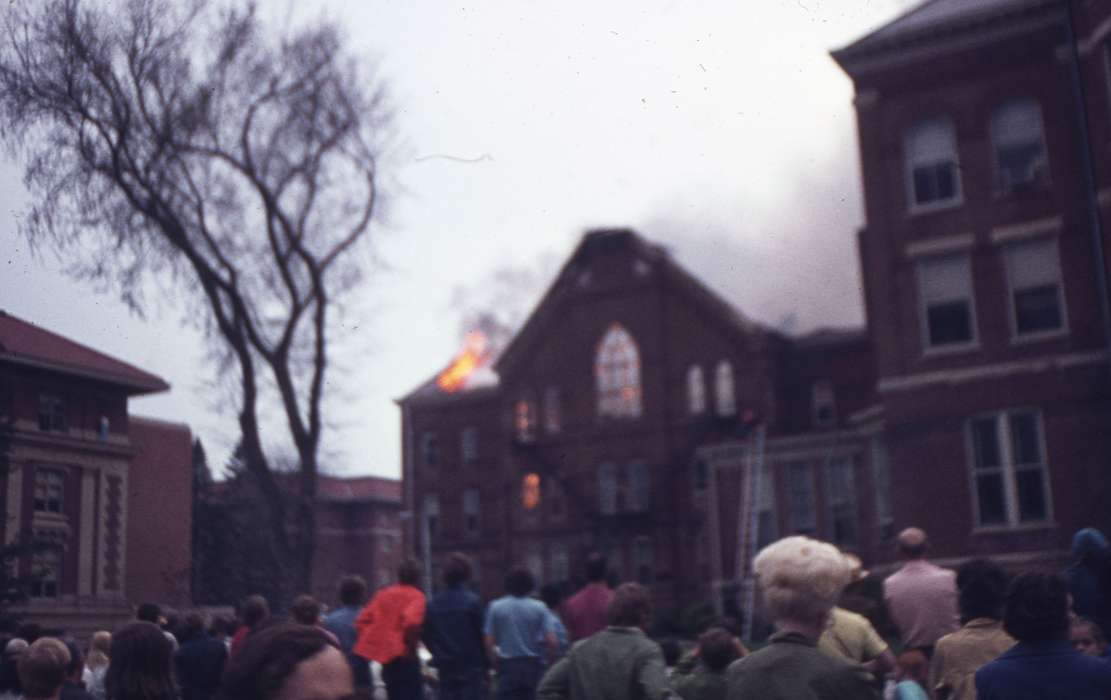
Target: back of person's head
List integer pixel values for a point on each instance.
(148, 612)
(141, 663)
(9, 674)
(1089, 545)
(220, 626)
(981, 585)
(42, 668)
(717, 648)
(352, 591)
(551, 594)
(631, 606)
(267, 660)
(254, 610)
(800, 578)
(596, 567)
(100, 645)
(1036, 608)
(192, 626)
(519, 582)
(76, 660)
(409, 572)
(457, 569)
(912, 543)
(305, 610)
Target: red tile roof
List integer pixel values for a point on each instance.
(24, 343)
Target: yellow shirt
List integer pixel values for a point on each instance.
(958, 655)
(851, 636)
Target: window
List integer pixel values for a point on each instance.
(553, 417)
(429, 450)
(52, 413)
(640, 487)
(468, 445)
(945, 284)
(432, 514)
(472, 521)
(530, 491)
(821, 400)
(766, 531)
(46, 573)
(534, 561)
(643, 559)
(525, 419)
(607, 489)
(800, 498)
(881, 479)
(557, 506)
(933, 170)
(701, 475)
(1016, 134)
(1010, 478)
(559, 563)
(617, 374)
(696, 391)
(49, 490)
(841, 501)
(1034, 275)
(723, 389)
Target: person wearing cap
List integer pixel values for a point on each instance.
(921, 597)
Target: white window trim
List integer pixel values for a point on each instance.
(1012, 312)
(913, 207)
(1010, 491)
(997, 190)
(973, 343)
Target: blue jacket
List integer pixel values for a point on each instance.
(453, 634)
(1044, 671)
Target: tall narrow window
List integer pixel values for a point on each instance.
(472, 512)
(643, 559)
(553, 417)
(801, 499)
(557, 505)
(696, 391)
(945, 285)
(534, 561)
(432, 514)
(821, 402)
(49, 490)
(559, 563)
(933, 172)
(1010, 476)
(1016, 133)
(429, 450)
(841, 501)
(765, 507)
(724, 390)
(468, 440)
(46, 573)
(1034, 274)
(640, 486)
(52, 413)
(524, 418)
(607, 489)
(617, 374)
(530, 491)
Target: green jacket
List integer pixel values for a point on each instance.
(692, 680)
(618, 663)
(791, 667)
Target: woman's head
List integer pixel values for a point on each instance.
(100, 645)
(141, 664)
(1087, 637)
(1036, 608)
(800, 578)
(287, 661)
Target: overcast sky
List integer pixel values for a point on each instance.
(720, 129)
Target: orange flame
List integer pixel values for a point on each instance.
(475, 351)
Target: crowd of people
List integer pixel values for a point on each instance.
(977, 632)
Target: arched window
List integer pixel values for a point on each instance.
(696, 391)
(933, 172)
(1016, 134)
(617, 374)
(723, 389)
(607, 489)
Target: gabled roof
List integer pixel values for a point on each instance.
(24, 343)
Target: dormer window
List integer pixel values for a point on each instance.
(1016, 134)
(932, 166)
(617, 374)
(724, 394)
(696, 391)
(821, 400)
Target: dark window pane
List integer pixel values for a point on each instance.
(985, 443)
(946, 183)
(949, 322)
(934, 183)
(989, 494)
(924, 189)
(1024, 439)
(1037, 309)
(1020, 164)
(1031, 495)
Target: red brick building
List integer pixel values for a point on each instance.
(111, 491)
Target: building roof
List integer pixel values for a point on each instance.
(358, 488)
(24, 343)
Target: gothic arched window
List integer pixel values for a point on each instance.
(617, 374)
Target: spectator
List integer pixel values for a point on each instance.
(911, 676)
(287, 661)
(800, 580)
(851, 635)
(1042, 664)
(152, 613)
(42, 669)
(141, 665)
(389, 629)
(72, 687)
(306, 611)
(10, 687)
(199, 662)
(220, 629)
(1087, 638)
(1089, 576)
(252, 613)
(981, 585)
(453, 634)
(519, 637)
(585, 612)
(701, 676)
(552, 596)
(618, 663)
(921, 597)
(96, 663)
(341, 623)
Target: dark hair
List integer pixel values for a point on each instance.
(219, 625)
(1036, 608)
(519, 582)
(352, 590)
(717, 649)
(254, 610)
(192, 626)
(671, 650)
(305, 610)
(457, 569)
(631, 606)
(409, 572)
(76, 659)
(981, 586)
(595, 567)
(42, 668)
(148, 612)
(268, 659)
(551, 594)
(141, 665)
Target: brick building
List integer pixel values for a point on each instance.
(112, 492)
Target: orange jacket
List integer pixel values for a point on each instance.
(382, 625)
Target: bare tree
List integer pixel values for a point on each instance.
(183, 141)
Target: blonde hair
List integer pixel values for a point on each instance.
(800, 578)
(99, 646)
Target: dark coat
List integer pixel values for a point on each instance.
(1044, 670)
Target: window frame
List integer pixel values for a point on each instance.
(822, 395)
(429, 445)
(37, 587)
(552, 417)
(1045, 181)
(812, 487)
(472, 512)
(973, 343)
(725, 389)
(639, 493)
(913, 206)
(616, 353)
(847, 461)
(44, 475)
(1008, 470)
(468, 445)
(608, 499)
(1012, 311)
(696, 391)
(52, 415)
